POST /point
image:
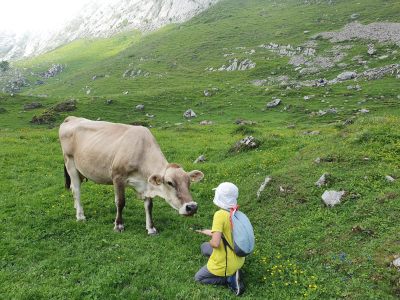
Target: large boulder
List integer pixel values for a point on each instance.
(346, 76)
(32, 105)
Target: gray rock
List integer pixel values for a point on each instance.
(109, 101)
(200, 159)
(371, 49)
(273, 103)
(150, 116)
(126, 93)
(53, 71)
(258, 82)
(189, 114)
(332, 198)
(317, 160)
(396, 263)
(139, 107)
(205, 122)
(354, 16)
(364, 111)
(314, 132)
(322, 180)
(207, 93)
(263, 185)
(247, 143)
(389, 178)
(346, 76)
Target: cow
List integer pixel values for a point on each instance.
(123, 155)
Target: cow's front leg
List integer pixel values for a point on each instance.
(119, 190)
(148, 207)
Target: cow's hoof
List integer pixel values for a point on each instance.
(119, 227)
(80, 217)
(152, 231)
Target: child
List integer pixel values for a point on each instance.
(223, 264)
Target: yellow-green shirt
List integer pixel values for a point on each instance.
(216, 263)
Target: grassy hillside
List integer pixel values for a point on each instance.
(304, 249)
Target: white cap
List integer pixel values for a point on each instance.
(226, 195)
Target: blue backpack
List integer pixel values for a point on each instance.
(242, 234)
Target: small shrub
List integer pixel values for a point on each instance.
(49, 116)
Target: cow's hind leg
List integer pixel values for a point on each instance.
(75, 187)
(148, 207)
(119, 190)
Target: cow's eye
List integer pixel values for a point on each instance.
(170, 183)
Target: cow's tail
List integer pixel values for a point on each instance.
(67, 179)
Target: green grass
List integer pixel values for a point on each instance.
(303, 250)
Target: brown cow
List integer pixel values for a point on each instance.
(123, 155)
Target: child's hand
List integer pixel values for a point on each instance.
(205, 231)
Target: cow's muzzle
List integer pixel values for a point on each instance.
(188, 209)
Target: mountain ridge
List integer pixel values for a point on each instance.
(102, 19)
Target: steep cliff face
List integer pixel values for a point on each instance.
(102, 19)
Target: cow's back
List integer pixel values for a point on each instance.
(100, 148)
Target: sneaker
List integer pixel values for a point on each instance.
(235, 283)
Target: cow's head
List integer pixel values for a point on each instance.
(174, 188)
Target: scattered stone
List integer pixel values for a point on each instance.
(98, 76)
(247, 143)
(149, 116)
(382, 32)
(109, 101)
(322, 180)
(308, 97)
(200, 159)
(389, 178)
(68, 105)
(53, 71)
(371, 49)
(207, 93)
(244, 122)
(88, 92)
(306, 31)
(396, 263)
(354, 16)
(237, 65)
(39, 82)
(139, 107)
(317, 160)
(332, 198)
(133, 73)
(263, 185)
(379, 72)
(32, 105)
(189, 114)
(205, 122)
(258, 82)
(346, 76)
(383, 57)
(126, 93)
(348, 122)
(314, 132)
(356, 87)
(273, 103)
(364, 111)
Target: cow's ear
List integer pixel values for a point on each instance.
(155, 179)
(195, 175)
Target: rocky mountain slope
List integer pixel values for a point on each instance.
(102, 19)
